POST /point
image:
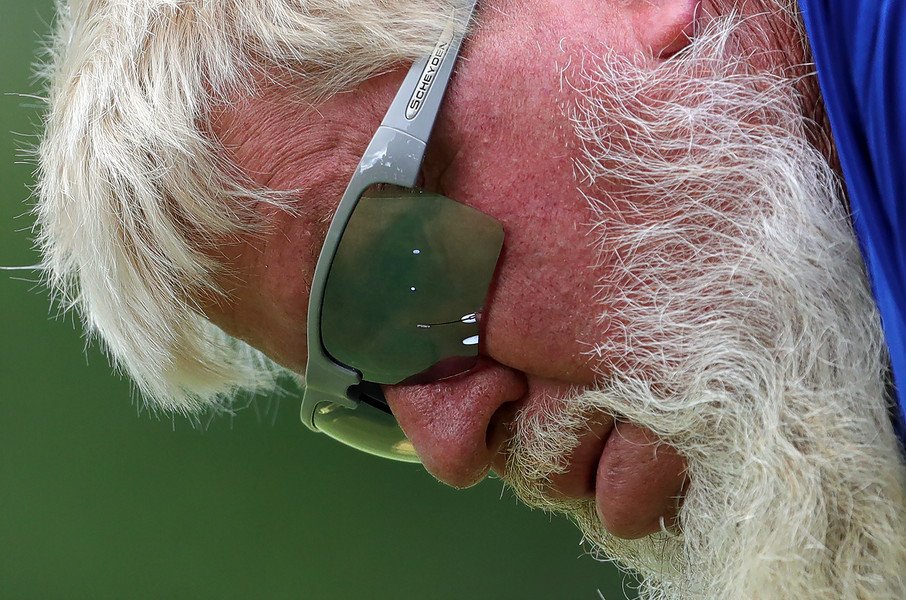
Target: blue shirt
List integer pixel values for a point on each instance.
(859, 48)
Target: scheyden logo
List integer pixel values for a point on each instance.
(429, 74)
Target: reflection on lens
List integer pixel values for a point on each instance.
(407, 282)
(365, 428)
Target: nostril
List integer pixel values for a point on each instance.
(500, 432)
(500, 427)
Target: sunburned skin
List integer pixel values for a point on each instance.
(503, 145)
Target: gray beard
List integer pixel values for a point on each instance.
(750, 341)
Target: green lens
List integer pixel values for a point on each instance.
(406, 284)
(365, 428)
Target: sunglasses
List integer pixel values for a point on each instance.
(401, 278)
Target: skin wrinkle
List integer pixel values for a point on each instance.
(263, 135)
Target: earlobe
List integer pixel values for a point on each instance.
(665, 27)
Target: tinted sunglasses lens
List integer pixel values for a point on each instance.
(405, 288)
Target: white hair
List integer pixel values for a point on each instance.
(130, 186)
(747, 338)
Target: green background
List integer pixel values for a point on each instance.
(99, 499)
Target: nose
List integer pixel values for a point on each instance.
(459, 425)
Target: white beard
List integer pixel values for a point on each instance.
(751, 343)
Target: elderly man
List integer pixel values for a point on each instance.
(677, 344)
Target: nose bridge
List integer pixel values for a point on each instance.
(451, 423)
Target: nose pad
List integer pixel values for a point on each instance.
(452, 423)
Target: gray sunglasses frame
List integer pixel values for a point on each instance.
(394, 156)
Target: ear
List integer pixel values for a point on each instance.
(665, 26)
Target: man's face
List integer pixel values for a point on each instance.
(667, 317)
(504, 144)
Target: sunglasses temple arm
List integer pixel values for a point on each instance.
(411, 116)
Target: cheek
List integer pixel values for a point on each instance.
(520, 170)
(514, 159)
(266, 282)
(541, 311)
(504, 144)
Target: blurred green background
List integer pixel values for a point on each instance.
(100, 500)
